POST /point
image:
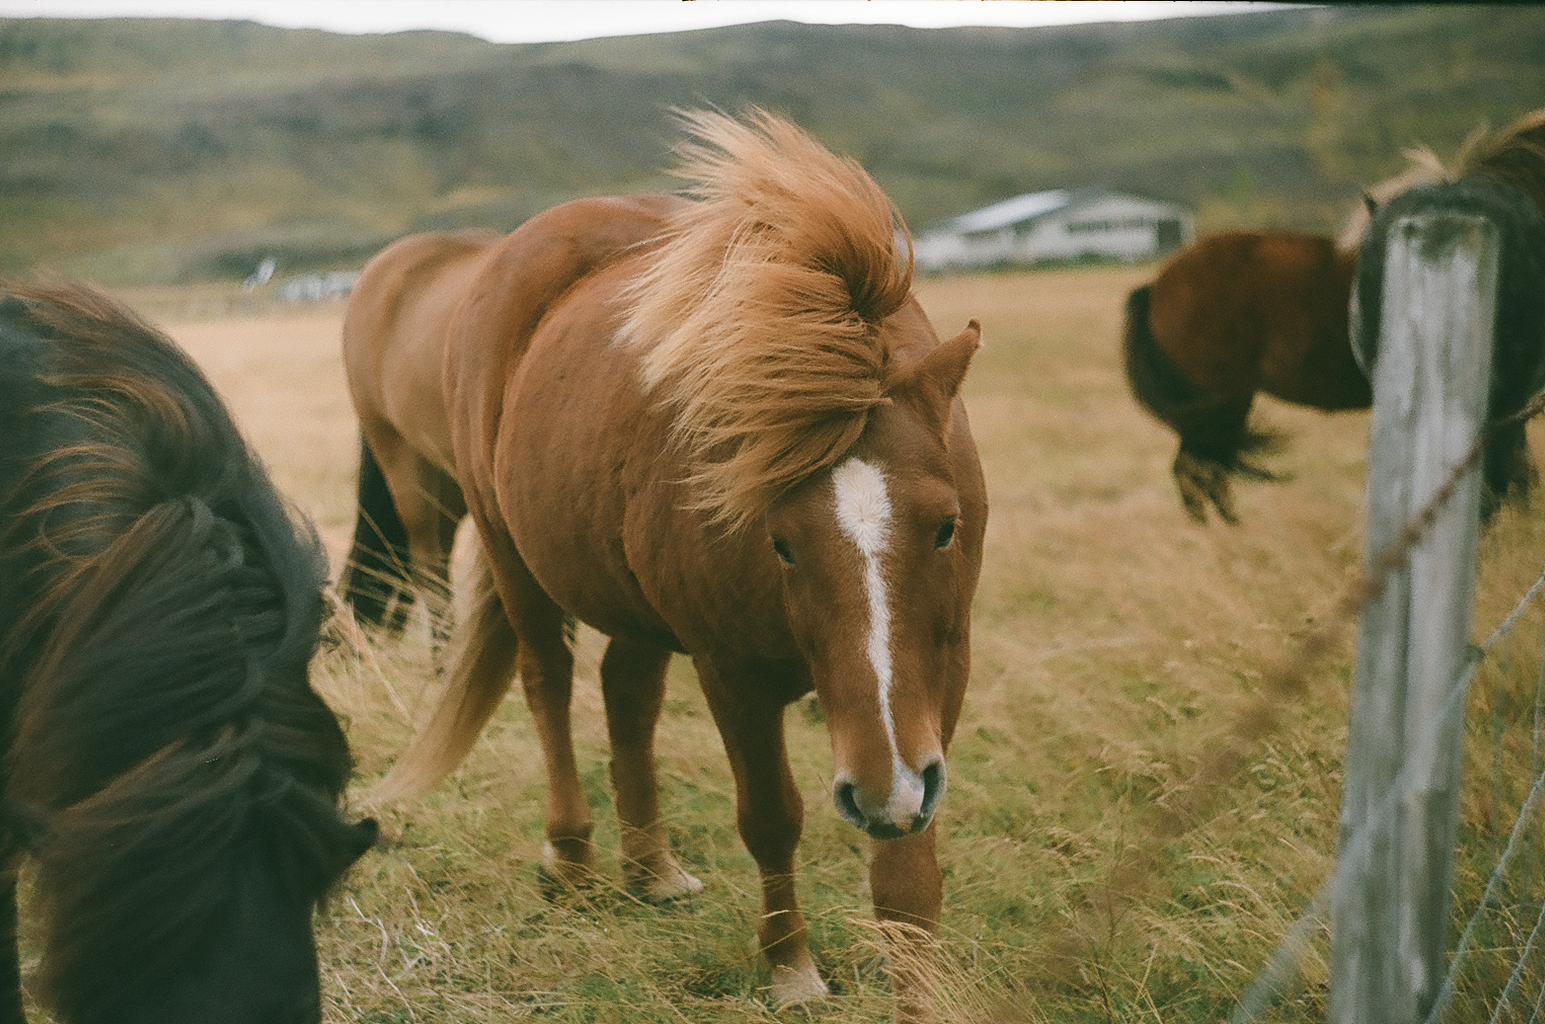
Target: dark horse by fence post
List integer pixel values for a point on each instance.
(1241, 312)
(168, 765)
(1518, 357)
(722, 427)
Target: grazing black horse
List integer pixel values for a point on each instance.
(168, 765)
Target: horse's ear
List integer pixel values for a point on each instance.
(945, 367)
(936, 378)
(1372, 206)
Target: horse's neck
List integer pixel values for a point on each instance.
(520, 282)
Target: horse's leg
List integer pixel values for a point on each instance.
(770, 815)
(908, 891)
(546, 668)
(431, 537)
(1209, 454)
(402, 469)
(1506, 468)
(375, 571)
(633, 686)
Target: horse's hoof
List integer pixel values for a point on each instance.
(556, 873)
(664, 881)
(797, 983)
(1204, 482)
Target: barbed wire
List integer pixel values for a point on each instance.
(1284, 963)
(1286, 679)
(1290, 677)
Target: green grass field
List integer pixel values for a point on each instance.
(1098, 864)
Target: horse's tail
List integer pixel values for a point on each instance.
(482, 668)
(1216, 429)
(379, 566)
(1155, 382)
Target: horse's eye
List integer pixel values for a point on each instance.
(945, 533)
(781, 546)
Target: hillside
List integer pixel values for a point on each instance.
(142, 151)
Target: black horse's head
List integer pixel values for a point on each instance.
(171, 770)
(190, 824)
(233, 945)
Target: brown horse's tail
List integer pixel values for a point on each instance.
(1214, 429)
(378, 569)
(482, 668)
(1155, 382)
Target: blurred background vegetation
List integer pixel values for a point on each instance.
(140, 152)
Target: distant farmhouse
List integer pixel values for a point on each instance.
(1056, 225)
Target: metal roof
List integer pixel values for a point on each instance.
(1011, 211)
(1028, 207)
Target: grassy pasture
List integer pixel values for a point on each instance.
(1094, 869)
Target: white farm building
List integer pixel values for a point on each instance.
(1056, 225)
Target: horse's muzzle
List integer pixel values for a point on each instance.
(907, 810)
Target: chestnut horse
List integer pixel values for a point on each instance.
(1241, 312)
(409, 502)
(724, 427)
(167, 763)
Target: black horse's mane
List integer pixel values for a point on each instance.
(159, 606)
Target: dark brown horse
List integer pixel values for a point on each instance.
(722, 427)
(1501, 177)
(167, 763)
(1242, 312)
(1231, 315)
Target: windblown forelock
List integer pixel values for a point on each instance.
(1516, 155)
(761, 311)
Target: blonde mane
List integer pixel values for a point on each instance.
(1423, 167)
(761, 310)
(1515, 154)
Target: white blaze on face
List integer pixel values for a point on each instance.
(864, 514)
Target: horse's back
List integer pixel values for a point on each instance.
(394, 332)
(1240, 311)
(527, 271)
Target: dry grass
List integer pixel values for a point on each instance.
(1116, 644)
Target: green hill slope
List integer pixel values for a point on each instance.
(143, 151)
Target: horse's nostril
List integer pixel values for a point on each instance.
(933, 788)
(847, 804)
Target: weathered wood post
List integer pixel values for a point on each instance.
(1389, 917)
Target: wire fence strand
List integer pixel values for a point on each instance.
(1283, 967)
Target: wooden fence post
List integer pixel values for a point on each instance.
(1389, 917)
